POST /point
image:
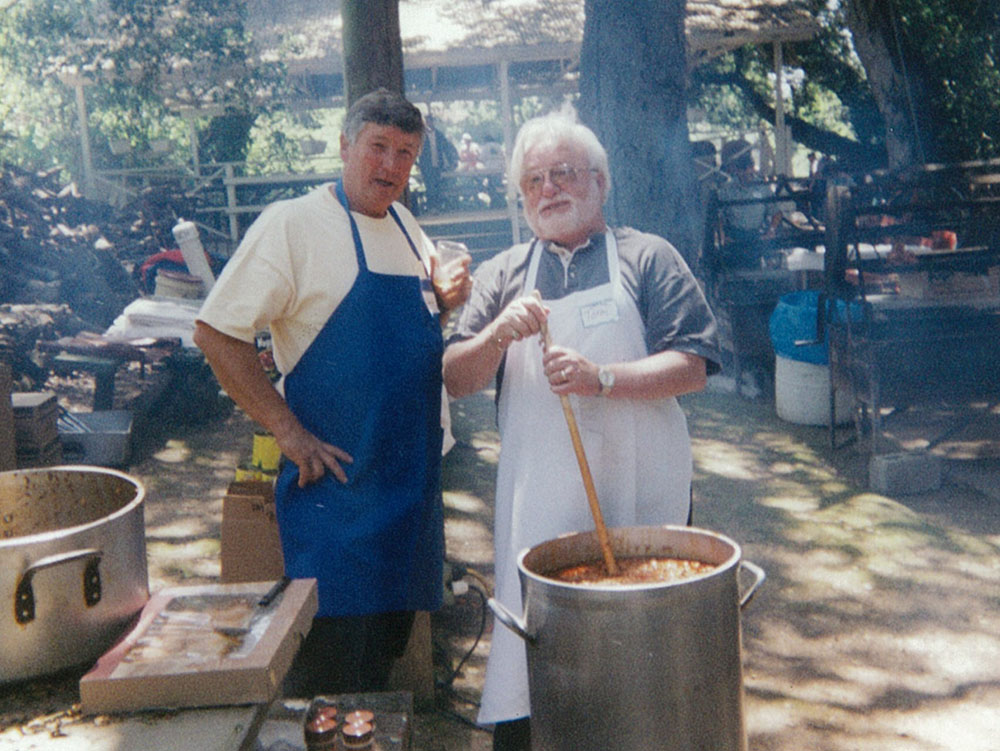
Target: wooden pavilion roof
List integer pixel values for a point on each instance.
(306, 34)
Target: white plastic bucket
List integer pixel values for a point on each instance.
(802, 393)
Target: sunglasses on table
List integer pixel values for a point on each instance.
(562, 176)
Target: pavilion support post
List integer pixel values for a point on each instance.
(193, 143)
(77, 82)
(231, 203)
(508, 143)
(782, 151)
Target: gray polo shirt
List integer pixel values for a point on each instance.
(670, 301)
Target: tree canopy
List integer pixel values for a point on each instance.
(887, 82)
(145, 59)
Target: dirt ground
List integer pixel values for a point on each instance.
(878, 627)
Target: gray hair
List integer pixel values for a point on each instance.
(382, 107)
(558, 128)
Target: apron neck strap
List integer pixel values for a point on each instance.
(356, 233)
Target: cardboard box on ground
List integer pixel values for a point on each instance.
(251, 548)
(251, 551)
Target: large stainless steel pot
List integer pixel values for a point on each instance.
(72, 566)
(639, 667)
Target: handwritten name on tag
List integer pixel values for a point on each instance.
(599, 313)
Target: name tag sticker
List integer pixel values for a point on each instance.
(599, 313)
(429, 299)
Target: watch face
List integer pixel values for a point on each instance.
(606, 379)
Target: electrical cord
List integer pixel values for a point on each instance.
(482, 629)
(459, 573)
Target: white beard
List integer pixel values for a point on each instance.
(567, 220)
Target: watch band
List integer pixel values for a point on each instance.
(607, 380)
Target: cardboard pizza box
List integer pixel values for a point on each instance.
(204, 646)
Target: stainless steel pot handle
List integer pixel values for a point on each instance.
(759, 577)
(511, 621)
(24, 595)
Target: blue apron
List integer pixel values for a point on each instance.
(370, 383)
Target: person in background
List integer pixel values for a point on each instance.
(438, 155)
(342, 278)
(630, 331)
(468, 154)
(744, 224)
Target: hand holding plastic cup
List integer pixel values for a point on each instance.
(451, 273)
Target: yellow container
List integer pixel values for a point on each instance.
(266, 454)
(249, 473)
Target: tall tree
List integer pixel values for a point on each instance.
(878, 42)
(373, 47)
(633, 95)
(933, 69)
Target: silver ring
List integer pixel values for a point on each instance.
(565, 374)
(516, 335)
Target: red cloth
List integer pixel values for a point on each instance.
(172, 260)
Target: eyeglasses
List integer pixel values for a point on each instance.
(562, 176)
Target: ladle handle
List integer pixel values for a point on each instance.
(581, 458)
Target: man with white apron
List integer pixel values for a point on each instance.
(341, 276)
(630, 330)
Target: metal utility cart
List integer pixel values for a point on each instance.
(746, 273)
(912, 287)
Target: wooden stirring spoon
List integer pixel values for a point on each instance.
(581, 458)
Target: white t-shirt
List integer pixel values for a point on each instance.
(296, 264)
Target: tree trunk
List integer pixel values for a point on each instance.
(874, 31)
(633, 95)
(373, 48)
(373, 51)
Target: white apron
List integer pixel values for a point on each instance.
(638, 451)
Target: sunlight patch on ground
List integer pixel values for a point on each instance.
(796, 505)
(464, 503)
(972, 725)
(486, 448)
(726, 460)
(862, 669)
(866, 509)
(940, 660)
(174, 452)
(469, 541)
(787, 444)
(983, 568)
(191, 549)
(177, 528)
(174, 564)
(218, 461)
(835, 582)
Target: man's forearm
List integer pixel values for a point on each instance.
(471, 364)
(238, 369)
(659, 376)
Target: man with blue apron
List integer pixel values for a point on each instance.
(630, 331)
(360, 422)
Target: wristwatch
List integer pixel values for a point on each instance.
(607, 381)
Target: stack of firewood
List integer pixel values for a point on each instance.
(67, 263)
(58, 247)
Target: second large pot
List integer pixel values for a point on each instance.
(643, 667)
(73, 567)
